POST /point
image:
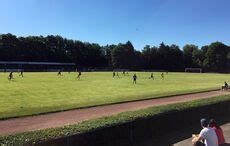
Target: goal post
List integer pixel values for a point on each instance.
(193, 70)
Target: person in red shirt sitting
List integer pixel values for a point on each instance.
(218, 130)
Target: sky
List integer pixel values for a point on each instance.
(143, 22)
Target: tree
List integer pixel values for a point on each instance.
(175, 59)
(8, 46)
(217, 57)
(214, 57)
(164, 56)
(197, 58)
(188, 55)
(123, 56)
(108, 54)
(150, 57)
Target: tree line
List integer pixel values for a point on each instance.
(214, 57)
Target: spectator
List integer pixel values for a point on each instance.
(218, 130)
(207, 134)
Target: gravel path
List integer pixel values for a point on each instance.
(59, 119)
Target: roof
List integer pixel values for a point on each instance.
(35, 63)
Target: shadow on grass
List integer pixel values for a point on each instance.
(177, 136)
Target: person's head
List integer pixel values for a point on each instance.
(204, 122)
(212, 123)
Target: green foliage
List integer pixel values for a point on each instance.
(213, 57)
(123, 56)
(90, 125)
(50, 49)
(217, 57)
(165, 57)
(45, 92)
(189, 55)
(197, 58)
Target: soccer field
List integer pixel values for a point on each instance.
(45, 92)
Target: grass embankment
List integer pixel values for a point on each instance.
(90, 125)
(46, 92)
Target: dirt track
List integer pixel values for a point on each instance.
(59, 119)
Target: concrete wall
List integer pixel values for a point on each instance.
(152, 128)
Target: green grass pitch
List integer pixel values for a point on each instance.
(45, 92)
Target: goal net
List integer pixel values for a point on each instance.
(194, 70)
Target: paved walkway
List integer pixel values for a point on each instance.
(226, 130)
(59, 119)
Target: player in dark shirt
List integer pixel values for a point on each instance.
(134, 79)
(114, 74)
(162, 76)
(21, 73)
(79, 75)
(59, 73)
(151, 76)
(11, 76)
